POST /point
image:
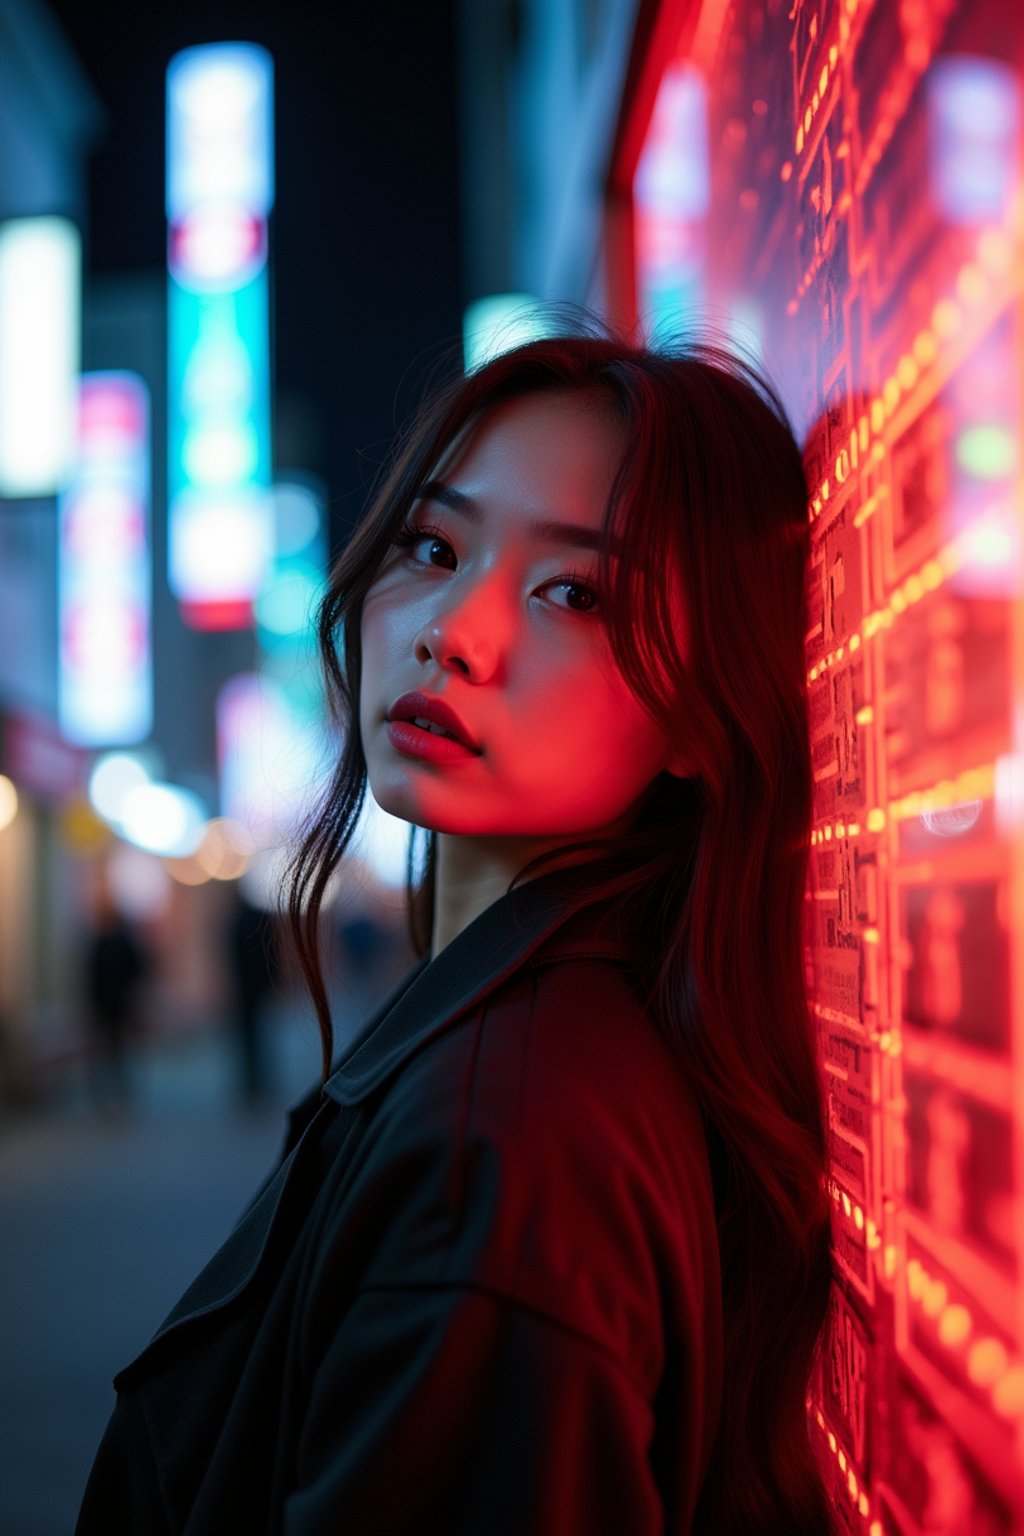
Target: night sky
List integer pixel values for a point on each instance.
(365, 230)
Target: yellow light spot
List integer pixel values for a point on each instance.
(891, 395)
(846, 1201)
(799, 138)
(853, 830)
(808, 118)
(831, 1441)
(986, 1361)
(936, 1294)
(226, 849)
(876, 819)
(946, 318)
(875, 1528)
(814, 102)
(913, 589)
(898, 601)
(186, 871)
(916, 1278)
(842, 1460)
(833, 56)
(995, 251)
(877, 416)
(851, 1483)
(1008, 1397)
(871, 935)
(787, 168)
(8, 801)
(863, 1505)
(828, 834)
(931, 575)
(972, 284)
(855, 642)
(925, 348)
(907, 372)
(884, 1039)
(954, 1325)
(858, 1217)
(865, 714)
(823, 80)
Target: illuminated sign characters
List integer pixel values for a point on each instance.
(40, 302)
(105, 684)
(219, 194)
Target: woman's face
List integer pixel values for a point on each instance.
(479, 613)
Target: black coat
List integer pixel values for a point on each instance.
(481, 1293)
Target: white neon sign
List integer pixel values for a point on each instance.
(40, 329)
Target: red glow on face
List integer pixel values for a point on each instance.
(479, 613)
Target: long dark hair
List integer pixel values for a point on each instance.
(710, 877)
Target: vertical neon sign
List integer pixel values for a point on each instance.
(671, 196)
(105, 683)
(220, 189)
(40, 326)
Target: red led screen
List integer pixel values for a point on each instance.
(837, 183)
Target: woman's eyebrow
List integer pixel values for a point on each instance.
(555, 532)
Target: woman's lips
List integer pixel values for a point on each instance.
(415, 741)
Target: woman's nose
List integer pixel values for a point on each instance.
(468, 635)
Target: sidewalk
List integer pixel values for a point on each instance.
(104, 1222)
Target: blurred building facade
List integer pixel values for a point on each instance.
(836, 185)
(49, 121)
(59, 860)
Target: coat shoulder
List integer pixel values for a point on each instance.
(547, 1150)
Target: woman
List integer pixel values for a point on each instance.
(549, 1251)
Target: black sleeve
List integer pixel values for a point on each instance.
(123, 1491)
(448, 1408)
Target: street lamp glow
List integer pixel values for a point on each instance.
(8, 801)
(113, 777)
(161, 818)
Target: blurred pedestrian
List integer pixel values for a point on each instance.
(252, 956)
(115, 964)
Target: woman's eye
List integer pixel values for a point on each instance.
(412, 536)
(573, 584)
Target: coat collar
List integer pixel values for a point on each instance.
(533, 920)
